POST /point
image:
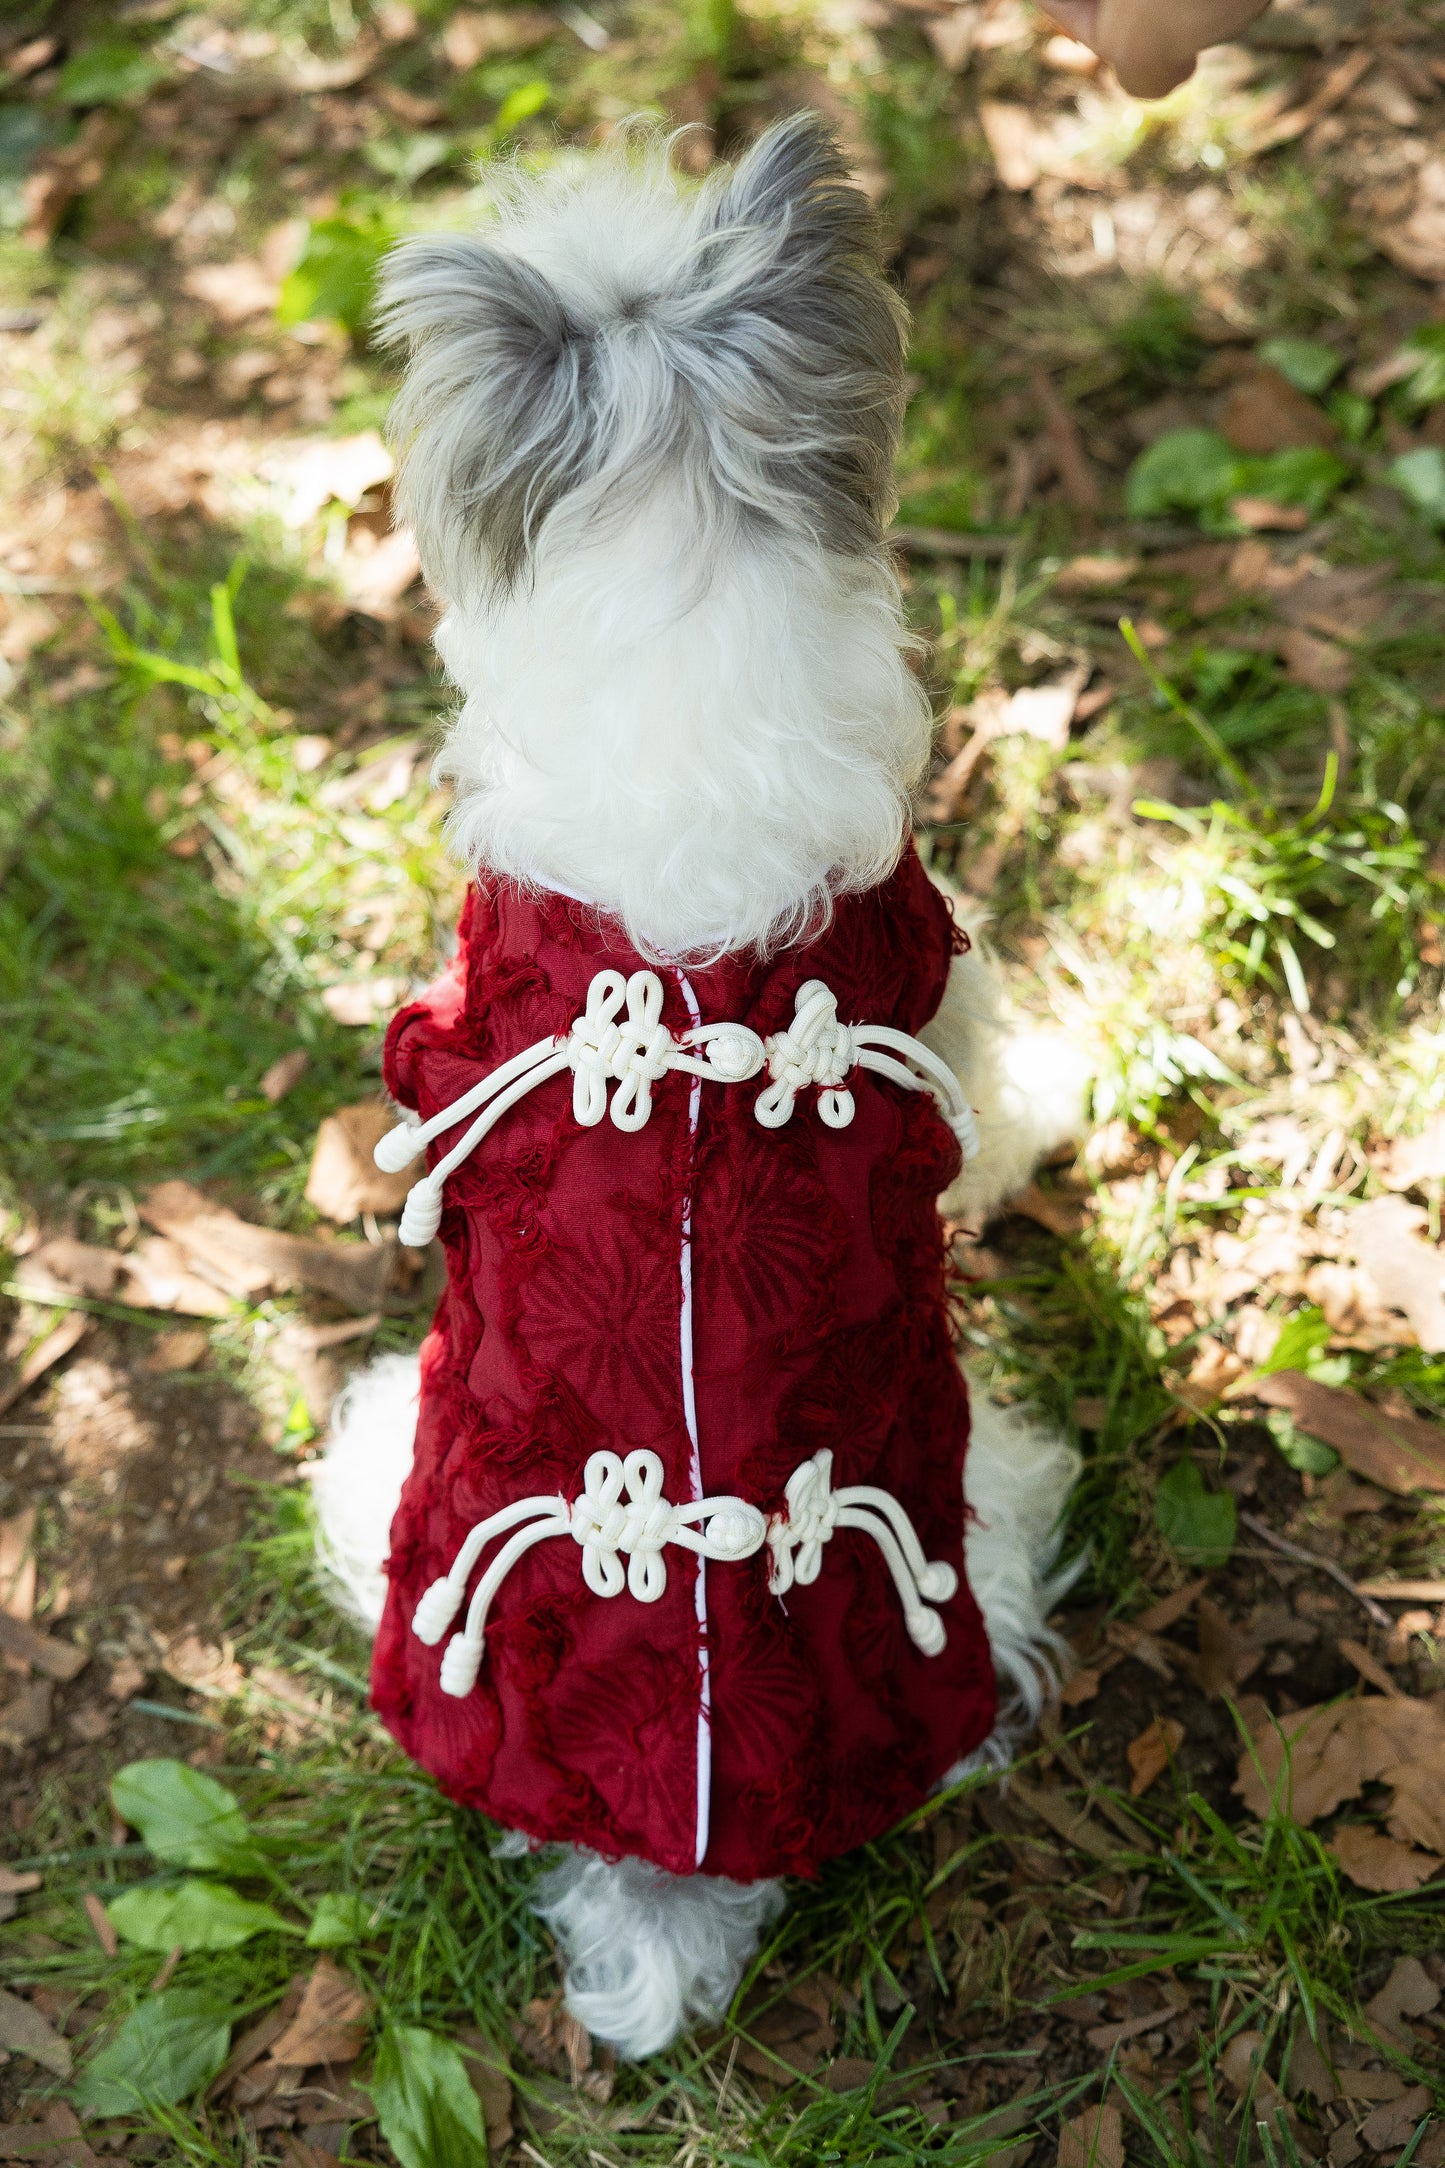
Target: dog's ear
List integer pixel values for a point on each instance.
(493, 422)
(795, 179)
(804, 338)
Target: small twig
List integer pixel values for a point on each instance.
(1303, 1557)
(947, 542)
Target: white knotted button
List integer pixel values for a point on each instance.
(815, 1513)
(817, 1049)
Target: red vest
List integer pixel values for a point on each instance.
(734, 1299)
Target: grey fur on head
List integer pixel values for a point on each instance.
(615, 332)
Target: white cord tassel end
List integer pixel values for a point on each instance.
(399, 1147)
(435, 1612)
(423, 1214)
(460, 1665)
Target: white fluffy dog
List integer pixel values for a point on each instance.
(646, 437)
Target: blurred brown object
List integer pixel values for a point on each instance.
(345, 1180)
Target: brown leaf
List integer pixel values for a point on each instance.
(490, 2073)
(330, 2026)
(345, 1180)
(1309, 1762)
(1226, 1656)
(233, 291)
(175, 1351)
(1376, 1862)
(56, 1345)
(1402, 1453)
(126, 1679)
(1150, 1754)
(17, 1565)
(1336, 87)
(1266, 515)
(1095, 575)
(202, 1667)
(284, 1074)
(28, 1646)
(23, 2031)
(1317, 664)
(1094, 2139)
(99, 1918)
(26, 1716)
(1054, 1210)
(1169, 1610)
(1409, 1272)
(1409, 1992)
(1343, 603)
(62, 1268)
(1264, 413)
(1394, 2123)
(57, 2140)
(159, 1277)
(246, 1259)
(1105, 2037)
(474, 35)
(1013, 136)
(952, 36)
(1080, 1687)
(1410, 1161)
(18, 1882)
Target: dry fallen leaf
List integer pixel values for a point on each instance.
(56, 1345)
(345, 1180)
(204, 1668)
(1150, 1754)
(1394, 2122)
(1012, 134)
(286, 1073)
(17, 1565)
(1409, 1272)
(1409, 1992)
(1094, 2139)
(1400, 1452)
(248, 1260)
(233, 291)
(1264, 413)
(474, 35)
(1309, 1762)
(330, 2026)
(373, 580)
(1319, 665)
(1226, 1656)
(1377, 1862)
(490, 2073)
(23, 2031)
(42, 1652)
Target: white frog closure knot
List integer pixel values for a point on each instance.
(622, 1513)
(621, 1040)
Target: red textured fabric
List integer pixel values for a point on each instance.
(817, 1319)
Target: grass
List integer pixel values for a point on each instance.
(1227, 888)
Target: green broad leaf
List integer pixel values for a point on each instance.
(109, 75)
(519, 105)
(184, 1817)
(1311, 1456)
(1185, 470)
(341, 1917)
(1305, 476)
(163, 2053)
(1426, 385)
(1199, 1524)
(1420, 476)
(429, 2114)
(191, 1915)
(336, 276)
(1308, 364)
(1301, 1337)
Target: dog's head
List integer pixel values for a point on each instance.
(617, 334)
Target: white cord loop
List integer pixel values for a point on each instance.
(817, 1049)
(620, 1039)
(816, 1512)
(621, 1513)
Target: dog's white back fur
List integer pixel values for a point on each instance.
(646, 440)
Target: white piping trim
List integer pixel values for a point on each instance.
(689, 1411)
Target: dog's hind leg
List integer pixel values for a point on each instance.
(357, 1484)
